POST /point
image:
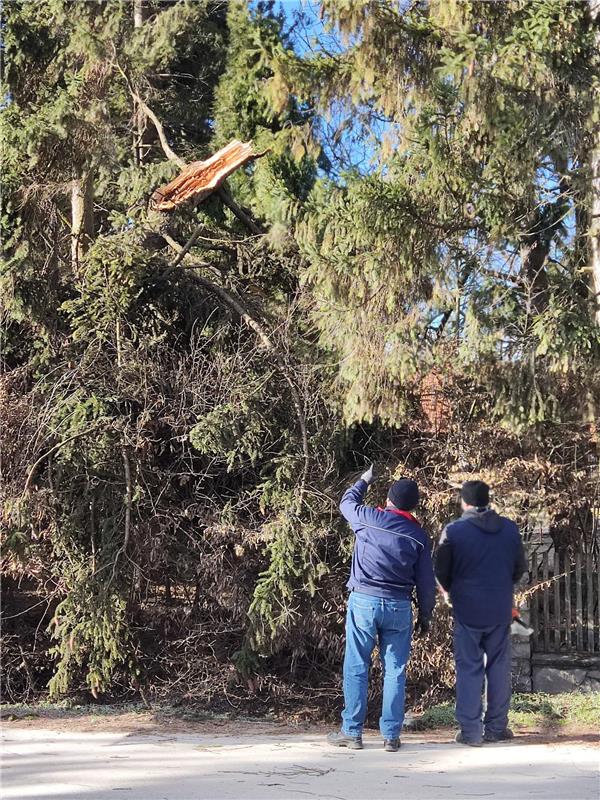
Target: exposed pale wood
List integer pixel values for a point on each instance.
(578, 602)
(200, 178)
(138, 13)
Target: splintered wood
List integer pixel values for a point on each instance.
(201, 178)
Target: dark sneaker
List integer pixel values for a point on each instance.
(391, 745)
(460, 739)
(504, 736)
(339, 739)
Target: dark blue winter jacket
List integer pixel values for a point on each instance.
(392, 554)
(479, 558)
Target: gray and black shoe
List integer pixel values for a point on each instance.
(391, 745)
(505, 736)
(460, 739)
(339, 739)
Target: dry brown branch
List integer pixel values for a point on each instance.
(237, 304)
(128, 504)
(170, 154)
(537, 587)
(238, 211)
(49, 453)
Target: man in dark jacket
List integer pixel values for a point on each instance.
(392, 556)
(478, 560)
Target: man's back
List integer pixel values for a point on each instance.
(391, 554)
(479, 558)
(391, 557)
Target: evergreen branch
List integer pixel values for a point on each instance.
(238, 305)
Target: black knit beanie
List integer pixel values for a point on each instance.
(475, 493)
(404, 494)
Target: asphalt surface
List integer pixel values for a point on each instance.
(51, 764)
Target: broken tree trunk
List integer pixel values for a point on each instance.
(201, 178)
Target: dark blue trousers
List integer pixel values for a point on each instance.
(482, 655)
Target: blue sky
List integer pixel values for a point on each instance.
(354, 148)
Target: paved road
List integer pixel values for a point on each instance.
(40, 764)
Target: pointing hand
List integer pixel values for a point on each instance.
(368, 476)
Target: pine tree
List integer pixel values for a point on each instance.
(153, 405)
(463, 244)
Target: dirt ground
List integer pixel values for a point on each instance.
(150, 722)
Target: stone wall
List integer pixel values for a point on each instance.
(554, 673)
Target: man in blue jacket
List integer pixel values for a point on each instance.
(392, 556)
(479, 558)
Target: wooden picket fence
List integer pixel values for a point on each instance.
(565, 612)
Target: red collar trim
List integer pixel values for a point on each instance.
(400, 513)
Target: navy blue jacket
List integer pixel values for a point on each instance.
(479, 558)
(392, 554)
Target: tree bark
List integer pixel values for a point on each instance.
(594, 206)
(138, 13)
(141, 144)
(82, 216)
(535, 244)
(595, 230)
(533, 258)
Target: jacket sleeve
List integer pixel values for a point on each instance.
(353, 507)
(443, 561)
(425, 582)
(521, 565)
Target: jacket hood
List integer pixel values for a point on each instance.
(488, 520)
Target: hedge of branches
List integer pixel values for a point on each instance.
(405, 276)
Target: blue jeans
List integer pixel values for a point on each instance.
(472, 669)
(371, 619)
